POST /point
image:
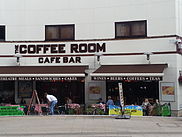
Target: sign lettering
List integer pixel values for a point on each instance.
(60, 48)
(44, 60)
(40, 78)
(127, 78)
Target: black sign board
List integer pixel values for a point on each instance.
(40, 78)
(132, 78)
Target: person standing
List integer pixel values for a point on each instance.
(52, 102)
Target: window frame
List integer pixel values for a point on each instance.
(59, 31)
(130, 23)
(4, 38)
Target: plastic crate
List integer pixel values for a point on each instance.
(11, 114)
(11, 110)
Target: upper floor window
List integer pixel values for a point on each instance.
(59, 32)
(131, 29)
(2, 33)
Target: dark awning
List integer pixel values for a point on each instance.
(42, 72)
(129, 72)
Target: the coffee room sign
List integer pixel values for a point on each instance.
(58, 53)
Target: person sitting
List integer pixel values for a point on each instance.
(100, 101)
(109, 101)
(156, 108)
(117, 101)
(157, 103)
(68, 100)
(146, 107)
(22, 102)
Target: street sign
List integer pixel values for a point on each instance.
(121, 95)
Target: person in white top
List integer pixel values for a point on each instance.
(52, 102)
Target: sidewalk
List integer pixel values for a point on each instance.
(89, 126)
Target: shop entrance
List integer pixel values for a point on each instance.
(72, 89)
(134, 92)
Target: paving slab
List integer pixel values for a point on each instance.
(89, 126)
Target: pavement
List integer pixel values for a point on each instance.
(89, 126)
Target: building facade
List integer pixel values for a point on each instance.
(82, 49)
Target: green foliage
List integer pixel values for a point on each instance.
(71, 111)
(94, 111)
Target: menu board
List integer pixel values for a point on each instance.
(167, 90)
(25, 89)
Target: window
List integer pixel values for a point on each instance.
(59, 32)
(131, 29)
(7, 92)
(2, 33)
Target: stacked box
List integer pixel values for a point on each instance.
(11, 110)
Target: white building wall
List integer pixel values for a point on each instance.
(26, 19)
(179, 17)
(179, 85)
(112, 47)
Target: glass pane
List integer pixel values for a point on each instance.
(138, 29)
(2, 33)
(7, 92)
(122, 30)
(67, 32)
(52, 32)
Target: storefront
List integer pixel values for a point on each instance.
(19, 81)
(86, 75)
(139, 81)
